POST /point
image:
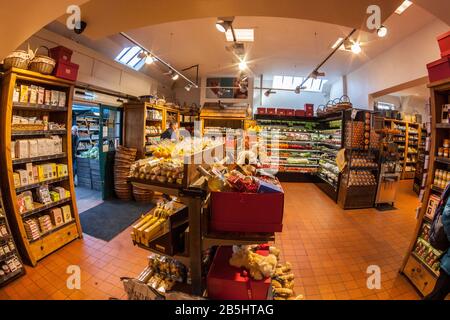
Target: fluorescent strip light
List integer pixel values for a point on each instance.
(242, 35)
(405, 5)
(339, 40)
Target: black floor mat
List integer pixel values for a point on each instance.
(110, 218)
(385, 207)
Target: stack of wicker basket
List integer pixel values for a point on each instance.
(142, 195)
(124, 158)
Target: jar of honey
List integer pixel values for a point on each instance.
(440, 152)
(446, 143)
(445, 152)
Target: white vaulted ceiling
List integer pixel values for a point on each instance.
(283, 46)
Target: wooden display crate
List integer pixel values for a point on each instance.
(170, 239)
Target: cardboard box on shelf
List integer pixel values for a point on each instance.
(33, 148)
(41, 95)
(21, 149)
(54, 100)
(16, 177)
(61, 170)
(42, 147)
(24, 95)
(67, 214)
(48, 97)
(33, 94)
(29, 169)
(56, 216)
(23, 175)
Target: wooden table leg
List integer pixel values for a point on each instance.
(195, 243)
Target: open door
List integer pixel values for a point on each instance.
(111, 137)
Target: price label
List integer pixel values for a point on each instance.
(354, 113)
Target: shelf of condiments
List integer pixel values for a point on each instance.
(425, 252)
(88, 131)
(10, 264)
(154, 115)
(40, 96)
(441, 178)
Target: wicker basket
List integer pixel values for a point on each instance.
(142, 195)
(42, 63)
(17, 59)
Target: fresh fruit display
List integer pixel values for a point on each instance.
(90, 154)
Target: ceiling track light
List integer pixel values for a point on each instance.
(175, 74)
(315, 74)
(382, 31)
(356, 47)
(223, 24)
(188, 87)
(149, 59)
(243, 65)
(269, 92)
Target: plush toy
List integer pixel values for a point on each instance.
(259, 266)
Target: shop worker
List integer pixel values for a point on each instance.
(171, 133)
(442, 287)
(75, 143)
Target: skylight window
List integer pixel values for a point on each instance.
(132, 57)
(242, 35)
(290, 83)
(405, 5)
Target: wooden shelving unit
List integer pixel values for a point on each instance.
(50, 241)
(7, 240)
(422, 275)
(138, 116)
(409, 138)
(422, 160)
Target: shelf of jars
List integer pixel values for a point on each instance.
(421, 264)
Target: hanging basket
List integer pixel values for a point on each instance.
(43, 63)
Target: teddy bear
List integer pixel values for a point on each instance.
(258, 266)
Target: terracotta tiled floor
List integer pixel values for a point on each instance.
(330, 250)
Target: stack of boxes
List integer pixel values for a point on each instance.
(440, 69)
(65, 69)
(39, 173)
(22, 149)
(308, 111)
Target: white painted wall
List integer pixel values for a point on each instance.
(402, 63)
(287, 99)
(187, 97)
(99, 70)
(337, 89)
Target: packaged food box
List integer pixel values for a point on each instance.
(439, 69)
(247, 212)
(225, 282)
(444, 44)
(21, 149)
(61, 170)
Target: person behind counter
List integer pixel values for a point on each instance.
(75, 143)
(171, 133)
